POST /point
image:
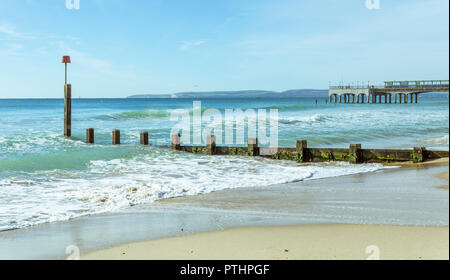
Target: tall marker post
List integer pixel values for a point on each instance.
(67, 101)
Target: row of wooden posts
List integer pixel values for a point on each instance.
(144, 139)
(301, 153)
(90, 137)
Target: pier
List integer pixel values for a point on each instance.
(392, 92)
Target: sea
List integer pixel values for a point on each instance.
(45, 177)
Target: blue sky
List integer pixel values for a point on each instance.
(125, 47)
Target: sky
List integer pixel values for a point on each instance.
(125, 47)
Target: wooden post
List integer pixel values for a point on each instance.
(67, 110)
(176, 141)
(302, 151)
(419, 154)
(253, 149)
(355, 155)
(90, 136)
(116, 137)
(211, 144)
(144, 138)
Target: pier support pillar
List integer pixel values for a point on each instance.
(68, 110)
(253, 149)
(390, 98)
(176, 141)
(417, 98)
(116, 137)
(355, 155)
(144, 138)
(340, 98)
(419, 154)
(302, 151)
(211, 145)
(90, 136)
(406, 98)
(374, 99)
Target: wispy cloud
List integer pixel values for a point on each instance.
(10, 32)
(87, 60)
(190, 44)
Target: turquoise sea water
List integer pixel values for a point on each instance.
(45, 177)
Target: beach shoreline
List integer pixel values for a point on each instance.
(298, 242)
(272, 208)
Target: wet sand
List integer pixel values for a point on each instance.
(413, 199)
(444, 176)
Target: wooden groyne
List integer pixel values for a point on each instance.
(302, 153)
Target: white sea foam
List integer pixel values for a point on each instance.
(438, 140)
(110, 185)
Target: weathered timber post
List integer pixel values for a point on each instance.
(116, 137)
(211, 144)
(417, 98)
(302, 151)
(144, 138)
(176, 141)
(419, 154)
(90, 136)
(355, 155)
(253, 149)
(67, 100)
(68, 110)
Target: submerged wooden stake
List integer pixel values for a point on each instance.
(302, 150)
(253, 149)
(176, 141)
(90, 136)
(144, 138)
(116, 137)
(355, 154)
(211, 144)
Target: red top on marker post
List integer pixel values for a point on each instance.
(66, 59)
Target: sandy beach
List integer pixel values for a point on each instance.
(402, 211)
(298, 242)
(309, 242)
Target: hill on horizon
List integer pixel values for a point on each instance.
(295, 93)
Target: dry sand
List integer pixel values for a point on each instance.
(341, 242)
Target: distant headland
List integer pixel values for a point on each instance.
(295, 93)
